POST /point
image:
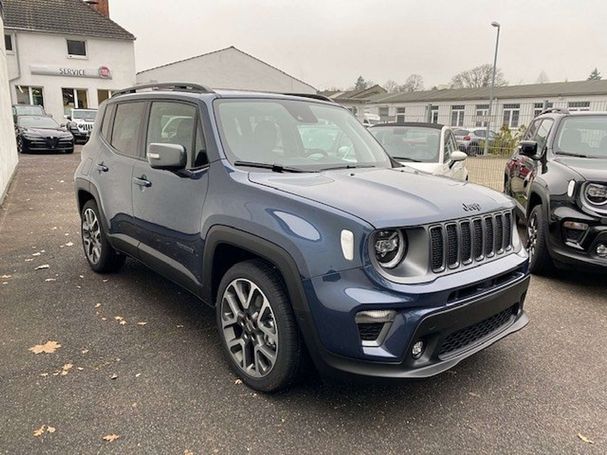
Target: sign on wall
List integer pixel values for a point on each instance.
(103, 72)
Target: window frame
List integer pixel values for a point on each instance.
(77, 56)
(401, 112)
(511, 108)
(11, 38)
(146, 114)
(458, 113)
(541, 149)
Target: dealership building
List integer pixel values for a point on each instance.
(65, 54)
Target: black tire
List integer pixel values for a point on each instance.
(540, 262)
(289, 347)
(21, 148)
(107, 259)
(474, 150)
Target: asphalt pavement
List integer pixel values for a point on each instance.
(140, 359)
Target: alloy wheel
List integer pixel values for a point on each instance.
(91, 235)
(249, 327)
(532, 232)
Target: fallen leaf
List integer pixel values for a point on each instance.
(188, 452)
(472, 394)
(137, 375)
(110, 437)
(123, 322)
(49, 347)
(142, 323)
(114, 376)
(84, 351)
(40, 431)
(69, 244)
(48, 280)
(80, 368)
(36, 254)
(238, 381)
(44, 375)
(104, 319)
(50, 429)
(105, 281)
(179, 326)
(584, 439)
(66, 368)
(118, 318)
(81, 276)
(98, 305)
(43, 267)
(29, 260)
(6, 276)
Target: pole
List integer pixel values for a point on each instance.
(492, 89)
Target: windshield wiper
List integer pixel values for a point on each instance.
(347, 166)
(405, 158)
(577, 155)
(272, 167)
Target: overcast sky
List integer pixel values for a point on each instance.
(329, 43)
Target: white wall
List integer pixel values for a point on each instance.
(227, 69)
(8, 146)
(51, 49)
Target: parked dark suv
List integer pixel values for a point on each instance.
(374, 268)
(558, 176)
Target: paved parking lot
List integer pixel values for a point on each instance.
(164, 388)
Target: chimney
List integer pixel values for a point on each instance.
(101, 6)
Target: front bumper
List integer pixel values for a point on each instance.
(453, 322)
(47, 144)
(580, 251)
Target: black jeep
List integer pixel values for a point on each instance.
(558, 176)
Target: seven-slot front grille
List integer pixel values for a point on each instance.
(453, 244)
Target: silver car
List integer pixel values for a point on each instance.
(471, 140)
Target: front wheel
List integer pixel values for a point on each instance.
(540, 262)
(257, 326)
(100, 255)
(20, 145)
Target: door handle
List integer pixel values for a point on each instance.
(102, 167)
(142, 181)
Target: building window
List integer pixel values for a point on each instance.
(74, 98)
(8, 42)
(538, 108)
(457, 115)
(433, 114)
(76, 48)
(482, 115)
(103, 95)
(511, 115)
(400, 115)
(578, 106)
(384, 114)
(29, 95)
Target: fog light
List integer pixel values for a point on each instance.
(375, 316)
(417, 350)
(575, 225)
(601, 251)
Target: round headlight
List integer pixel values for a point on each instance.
(596, 194)
(389, 246)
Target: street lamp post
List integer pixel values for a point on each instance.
(492, 89)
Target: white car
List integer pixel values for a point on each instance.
(80, 123)
(428, 147)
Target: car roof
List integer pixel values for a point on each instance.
(436, 126)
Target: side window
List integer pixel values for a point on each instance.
(450, 146)
(172, 123)
(541, 136)
(199, 157)
(531, 130)
(128, 121)
(106, 125)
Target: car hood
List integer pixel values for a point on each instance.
(389, 197)
(589, 168)
(430, 168)
(46, 132)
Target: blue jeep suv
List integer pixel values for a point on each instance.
(287, 216)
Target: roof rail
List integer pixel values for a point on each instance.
(314, 96)
(555, 110)
(175, 86)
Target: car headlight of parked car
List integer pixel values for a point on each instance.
(390, 246)
(596, 194)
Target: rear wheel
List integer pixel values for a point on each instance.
(257, 326)
(101, 256)
(540, 262)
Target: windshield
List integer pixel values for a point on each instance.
(409, 143)
(87, 115)
(298, 134)
(586, 136)
(29, 110)
(37, 122)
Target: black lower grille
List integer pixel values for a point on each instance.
(477, 239)
(466, 336)
(489, 240)
(370, 332)
(466, 242)
(452, 245)
(437, 246)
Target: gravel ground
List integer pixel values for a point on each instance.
(163, 386)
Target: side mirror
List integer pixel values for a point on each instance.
(170, 157)
(457, 157)
(528, 148)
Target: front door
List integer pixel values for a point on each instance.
(167, 206)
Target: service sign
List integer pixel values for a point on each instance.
(102, 72)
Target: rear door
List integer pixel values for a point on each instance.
(121, 134)
(167, 205)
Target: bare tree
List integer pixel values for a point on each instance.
(414, 83)
(391, 86)
(477, 77)
(542, 78)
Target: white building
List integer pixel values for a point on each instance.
(514, 105)
(228, 68)
(8, 147)
(65, 54)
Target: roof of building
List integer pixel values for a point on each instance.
(355, 95)
(72, 17)
(224, 50)
(547, 90)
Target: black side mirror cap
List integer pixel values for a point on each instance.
(529, 148)
(170, 157)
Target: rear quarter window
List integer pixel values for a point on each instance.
(128, 121)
